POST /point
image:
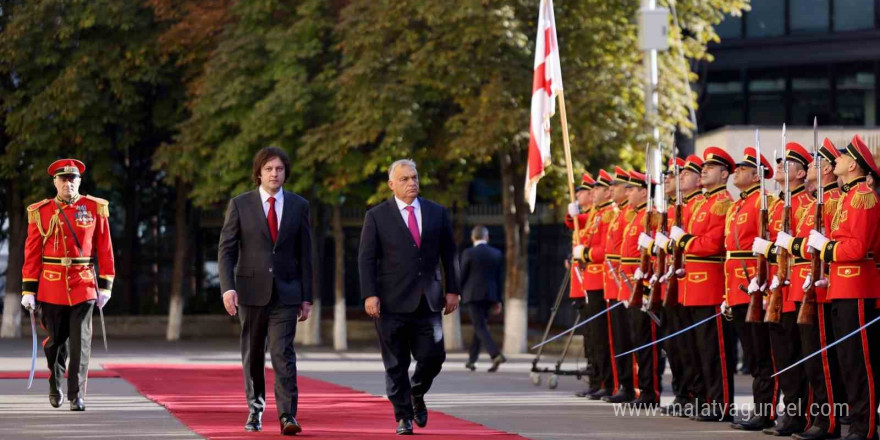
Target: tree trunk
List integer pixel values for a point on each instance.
(340, 337)
(181, 259)
(11, 326)
(516, 231)
(312, 326)
(130, 242)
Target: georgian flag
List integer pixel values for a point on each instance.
(547, 83)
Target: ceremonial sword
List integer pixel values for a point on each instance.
(33, 348)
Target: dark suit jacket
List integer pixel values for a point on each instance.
(394, 269)
(481, 274)
(250, 263)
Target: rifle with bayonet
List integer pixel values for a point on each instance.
(756, 303)
(807, 313)
(638, 288)
(774, 304)
(675, 271)
(655, 299)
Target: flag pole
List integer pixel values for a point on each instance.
(568, 165)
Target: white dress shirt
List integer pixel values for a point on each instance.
(279, 204)
(479, 242)
(401, 206)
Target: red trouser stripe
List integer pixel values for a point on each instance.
(829, 389)
(611, 345)
(656, 364)
(872, 403)
(723, 353)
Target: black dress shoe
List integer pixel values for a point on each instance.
(470, 366)
(587, 392)
(712, 417)
(754, 423)
(622, 396)
(404, 427)
(855, 436)
(598, 395)
(816, 433)
(786, 427)
(289, 425)
(55, 400)
(496, 362)
(77, 404)
(254, 422)
(845, 420)
(678, 407)
(420, 411)
(643, 402)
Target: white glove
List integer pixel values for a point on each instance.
(638, 274)
(28, 302)
(753, 286)
(625, 303)
(645, 241)
(103, 297)
(577, 252)
(661, 241)
(760, 246)
(822, 283)
(817, 241)
(653, 279)
(775, 283)
(808, 282)
(783, 240)
(725, 309)
(676, 233)
(573, 209)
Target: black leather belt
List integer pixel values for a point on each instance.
(68, 261)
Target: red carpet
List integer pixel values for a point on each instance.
(210, 400)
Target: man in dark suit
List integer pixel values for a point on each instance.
(265, 266)
(481, 293)
(403, 242)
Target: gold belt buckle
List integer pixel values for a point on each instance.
(66, 261)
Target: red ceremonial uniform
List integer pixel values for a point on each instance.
(630, 254)
(604, 215)
(798, 247)
(743, 223)
(854, 240)
(612, 250)
(801, 203)
(53, 268)
(584, 219)
(704, 249)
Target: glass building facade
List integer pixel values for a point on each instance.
(791, 60)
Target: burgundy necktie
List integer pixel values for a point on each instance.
(272, 218)
(413, 226)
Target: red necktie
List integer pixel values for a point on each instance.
(413, 226)
(272, 218)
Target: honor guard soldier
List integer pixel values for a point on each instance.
(593, 255)
(849, 250)
(743, 226)
(785, 341)
(644, 329)
(702, 242)
(618, 323)
(582, 209)
(67, 236)
(822, 371)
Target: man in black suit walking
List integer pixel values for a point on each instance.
(265, 267)
(481, 293)
(403, 243)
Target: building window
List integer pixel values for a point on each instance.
(724, 104)
(767, 100)
(730, 28)
(766, 19)
(808, 16)
(853, 14)
(856, 96)
(810, 97)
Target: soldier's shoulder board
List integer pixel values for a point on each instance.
(609, 215)
(103, 205)
(33, 210)
(830, 206)
(864, 197)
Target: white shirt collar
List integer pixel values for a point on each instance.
(401, 204)
(479, 242)
(264, 196)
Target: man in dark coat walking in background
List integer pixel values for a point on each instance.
(481, 293)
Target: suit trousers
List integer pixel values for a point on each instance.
(785, 341)
(650, 361)
(622, 336)
(418, 334)
(70, 332)
(755, 340)
(275, 324)
(854, 356)
(823, 371)
(712, 347)
(479, 312)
